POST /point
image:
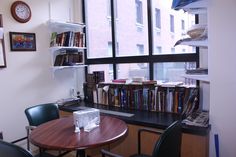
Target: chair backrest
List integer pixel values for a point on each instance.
(169, 144)
(12, 150)
(42, 113)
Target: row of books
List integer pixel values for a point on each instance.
(151, 98)
(69, 39)
(69, 59)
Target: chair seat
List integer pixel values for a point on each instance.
(140, 155)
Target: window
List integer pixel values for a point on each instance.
(126, 29)
(140, 49)
(158, 18)
(182, 25)
(138, 53)
(172, 50)
(172, 24)
(173, 71)
(133, 70)
(158, 50)
(139, 11)
(109, 48)
(107, 68)
(98, 31)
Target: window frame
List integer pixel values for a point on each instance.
(151, 58)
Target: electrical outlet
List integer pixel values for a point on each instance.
(72, 92)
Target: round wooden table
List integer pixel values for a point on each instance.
(59, 134)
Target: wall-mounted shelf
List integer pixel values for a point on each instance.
(68, 36)
(196, 43)
(55, 68)
(201, 77)
(58, 25)
(61, 48)
(199, 7)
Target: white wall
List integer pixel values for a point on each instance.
(28, 79)
(222, 64)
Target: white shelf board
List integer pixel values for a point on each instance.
(55, 68)
(200, 77)
(196, 10)
(197, 43)
(197, 4)
(58, 25)
(199, 7)
(56, 48)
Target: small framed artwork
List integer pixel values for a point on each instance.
(22, 41)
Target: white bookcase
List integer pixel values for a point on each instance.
(71, 34)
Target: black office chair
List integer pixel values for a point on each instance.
(40, 114)
(168, 145)
(12, 150)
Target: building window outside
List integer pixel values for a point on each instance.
(182, 24)
(109, 48)
(172, 50)
(172, 24)
(140, 49)
(139, 11)
(158, 18)
(173, 71)
(158, 50)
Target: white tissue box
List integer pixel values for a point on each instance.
(83, 118)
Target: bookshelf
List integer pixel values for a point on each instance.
(198, 7)
(67, 45)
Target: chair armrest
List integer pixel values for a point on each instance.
(109, 154)
(146, 130)
(30, 127)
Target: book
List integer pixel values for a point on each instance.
(53, 41)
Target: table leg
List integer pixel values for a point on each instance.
(80, 153)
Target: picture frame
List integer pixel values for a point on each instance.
(20, 41)
(3, 62)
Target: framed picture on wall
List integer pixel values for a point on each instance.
(20, 41)
(3, 62)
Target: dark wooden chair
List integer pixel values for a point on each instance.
(168, 145)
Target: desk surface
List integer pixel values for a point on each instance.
(59, 134)
(159, 120)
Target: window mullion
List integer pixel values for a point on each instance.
(113, 36)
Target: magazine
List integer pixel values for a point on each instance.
(198, 118)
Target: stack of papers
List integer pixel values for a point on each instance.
(198, 118)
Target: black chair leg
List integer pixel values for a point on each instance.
(80, 153)
(28, 143)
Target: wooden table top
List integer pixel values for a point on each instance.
(59, 134)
